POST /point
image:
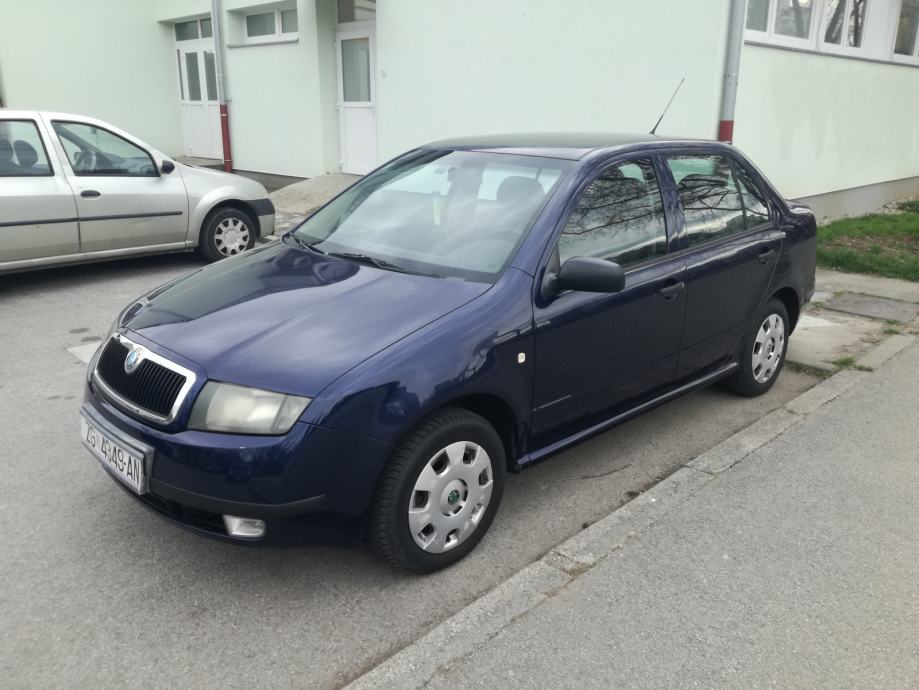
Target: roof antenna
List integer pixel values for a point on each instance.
(654, 130)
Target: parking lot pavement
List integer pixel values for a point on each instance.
(98, 591)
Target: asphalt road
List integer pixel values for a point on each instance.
(97, 591)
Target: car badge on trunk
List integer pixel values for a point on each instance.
(133, 360)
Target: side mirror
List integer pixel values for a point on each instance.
(167, 167)
(588, 274)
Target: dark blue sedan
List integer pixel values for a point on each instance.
(464, 311)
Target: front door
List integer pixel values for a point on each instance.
(122, 199)
(597, 351)
(357, 119)
(198, 105)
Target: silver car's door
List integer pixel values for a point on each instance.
(122, 199)
(38, 216)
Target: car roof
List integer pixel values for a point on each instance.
(570, 145)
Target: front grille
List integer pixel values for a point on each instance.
(150, 386)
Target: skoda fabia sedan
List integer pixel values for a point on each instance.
(464, 311)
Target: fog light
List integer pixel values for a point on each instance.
(244, 527)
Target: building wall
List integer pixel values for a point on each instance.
(277, 93)
(103, 58)
(820, 123)
(456, 68)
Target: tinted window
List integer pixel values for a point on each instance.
(754, 202)
(712, 207)
(619, 217)
(95, 151)
(22, 153)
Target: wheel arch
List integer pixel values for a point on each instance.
(237, 204)
(789, 297)
(497, 412)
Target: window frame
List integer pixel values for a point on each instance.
(770, 36)
(897, 57)
(51, 171)
(156, 169)
(682, 242)
(663, 189)
(279, 34)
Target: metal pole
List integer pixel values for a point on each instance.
(731, 69)
(217, 30)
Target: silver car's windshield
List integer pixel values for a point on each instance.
(451, 213)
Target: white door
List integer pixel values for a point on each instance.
(198, 92)
(357, 118)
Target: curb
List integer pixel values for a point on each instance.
(414, 665)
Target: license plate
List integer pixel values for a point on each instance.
(125, 463)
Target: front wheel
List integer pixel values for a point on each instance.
(439, 492)
(763, 353)
(226, 232)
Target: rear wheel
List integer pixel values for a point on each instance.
(439, 492)
(763, 353)
(226, 232)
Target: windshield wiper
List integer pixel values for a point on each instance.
(306, 245)
(381, 263)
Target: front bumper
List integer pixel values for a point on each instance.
(195, 477)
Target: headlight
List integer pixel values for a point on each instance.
(241, 410)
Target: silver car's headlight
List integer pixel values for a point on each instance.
(237, 409)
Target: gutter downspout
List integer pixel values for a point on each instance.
(217, 30)
(731, 69)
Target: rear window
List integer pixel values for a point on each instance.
(22, 153)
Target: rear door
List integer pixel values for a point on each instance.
(38, 216)
(731, 246)
(122, 199)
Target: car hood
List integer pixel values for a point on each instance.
(289, 320)
(200, 180)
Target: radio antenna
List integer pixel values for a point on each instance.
(667, 107)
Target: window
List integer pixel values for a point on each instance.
(206, 29)
(271, 25)
(907, 29)
(755, 207)
(186, 31)
(356, 10)
(835, 26)
(711, 202)
(619, 216)
(93, 151)
(454, 213)
(22, 153)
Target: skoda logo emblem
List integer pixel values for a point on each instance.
(133, 360)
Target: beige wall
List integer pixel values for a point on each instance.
(455, 68)
(817, 123)
(104, 58)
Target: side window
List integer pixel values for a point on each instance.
(754, 203)
(94, 151)
(22, 153)
(619, 216)
(712, 206)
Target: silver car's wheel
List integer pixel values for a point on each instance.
(231, 236)
(768, 348)
(450, 496)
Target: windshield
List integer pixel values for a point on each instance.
(452, 213)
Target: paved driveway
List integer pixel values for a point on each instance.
(97, 591)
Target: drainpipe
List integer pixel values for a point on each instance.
(217, 30)
(731, 69)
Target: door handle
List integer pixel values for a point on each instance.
(765, 254)
(668, 292)
(90, 194)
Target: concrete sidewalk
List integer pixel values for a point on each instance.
(785, 562)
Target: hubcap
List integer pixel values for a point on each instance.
(450, 496)
(231, 236)
(768, 348)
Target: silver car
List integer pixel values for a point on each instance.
(76, 189)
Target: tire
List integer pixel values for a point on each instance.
(226, 232)
(455, 513)
(763, 353)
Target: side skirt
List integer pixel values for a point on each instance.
(584, 434)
